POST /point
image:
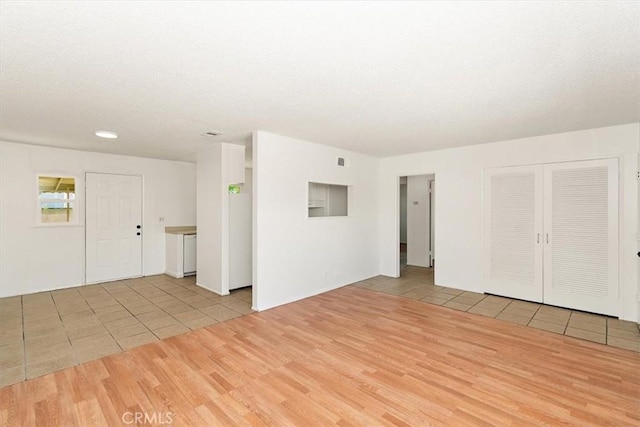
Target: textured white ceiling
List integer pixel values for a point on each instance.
(381, 78)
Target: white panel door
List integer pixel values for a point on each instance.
(512, 241)
(581, 235)
(113, 227)
(418, 229)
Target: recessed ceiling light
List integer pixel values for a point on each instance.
(106, 134)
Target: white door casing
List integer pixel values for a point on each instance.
(581, 235)
(512, 249)
(113, 212)
(432, 222)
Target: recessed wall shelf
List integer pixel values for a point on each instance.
(327, 200)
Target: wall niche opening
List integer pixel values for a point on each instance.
(328, 200)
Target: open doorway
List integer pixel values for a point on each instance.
(403, 222)
(417, 222)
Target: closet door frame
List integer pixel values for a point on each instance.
(610, 305)
(502, 287)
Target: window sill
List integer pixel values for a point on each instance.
(57, 225)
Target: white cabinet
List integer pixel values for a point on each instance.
(550, 234)
(189, 254)
(180, 257)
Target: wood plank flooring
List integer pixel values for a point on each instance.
(347, 357)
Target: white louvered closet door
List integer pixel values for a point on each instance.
(512, 241)
(581, 235)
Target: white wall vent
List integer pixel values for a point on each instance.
(212, 133)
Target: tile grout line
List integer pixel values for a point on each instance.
(566, 326)
(64, 327)
(65, 332)
(135, 316)
(503, 308)
(102, 323)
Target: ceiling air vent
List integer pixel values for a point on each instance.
(212, 133)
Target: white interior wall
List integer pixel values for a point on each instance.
(418, 211)
(296, 256)
(240, 234)
(458, 215)
(218, 165)
(38, 258)
(209, 199)
(338, 200)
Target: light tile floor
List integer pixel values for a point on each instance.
(417, 283)
(48, 331)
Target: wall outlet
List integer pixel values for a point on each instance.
(161, 219)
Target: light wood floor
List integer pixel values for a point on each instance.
(346, 357)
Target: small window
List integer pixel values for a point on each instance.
(234, 189)
(328, 200)
(56, 200)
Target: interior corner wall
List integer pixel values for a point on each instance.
(218, 165)
(247, 187)
(40, 258)
(210, 201)
(458, 214)
(296, 256)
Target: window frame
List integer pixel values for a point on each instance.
(75, 220)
